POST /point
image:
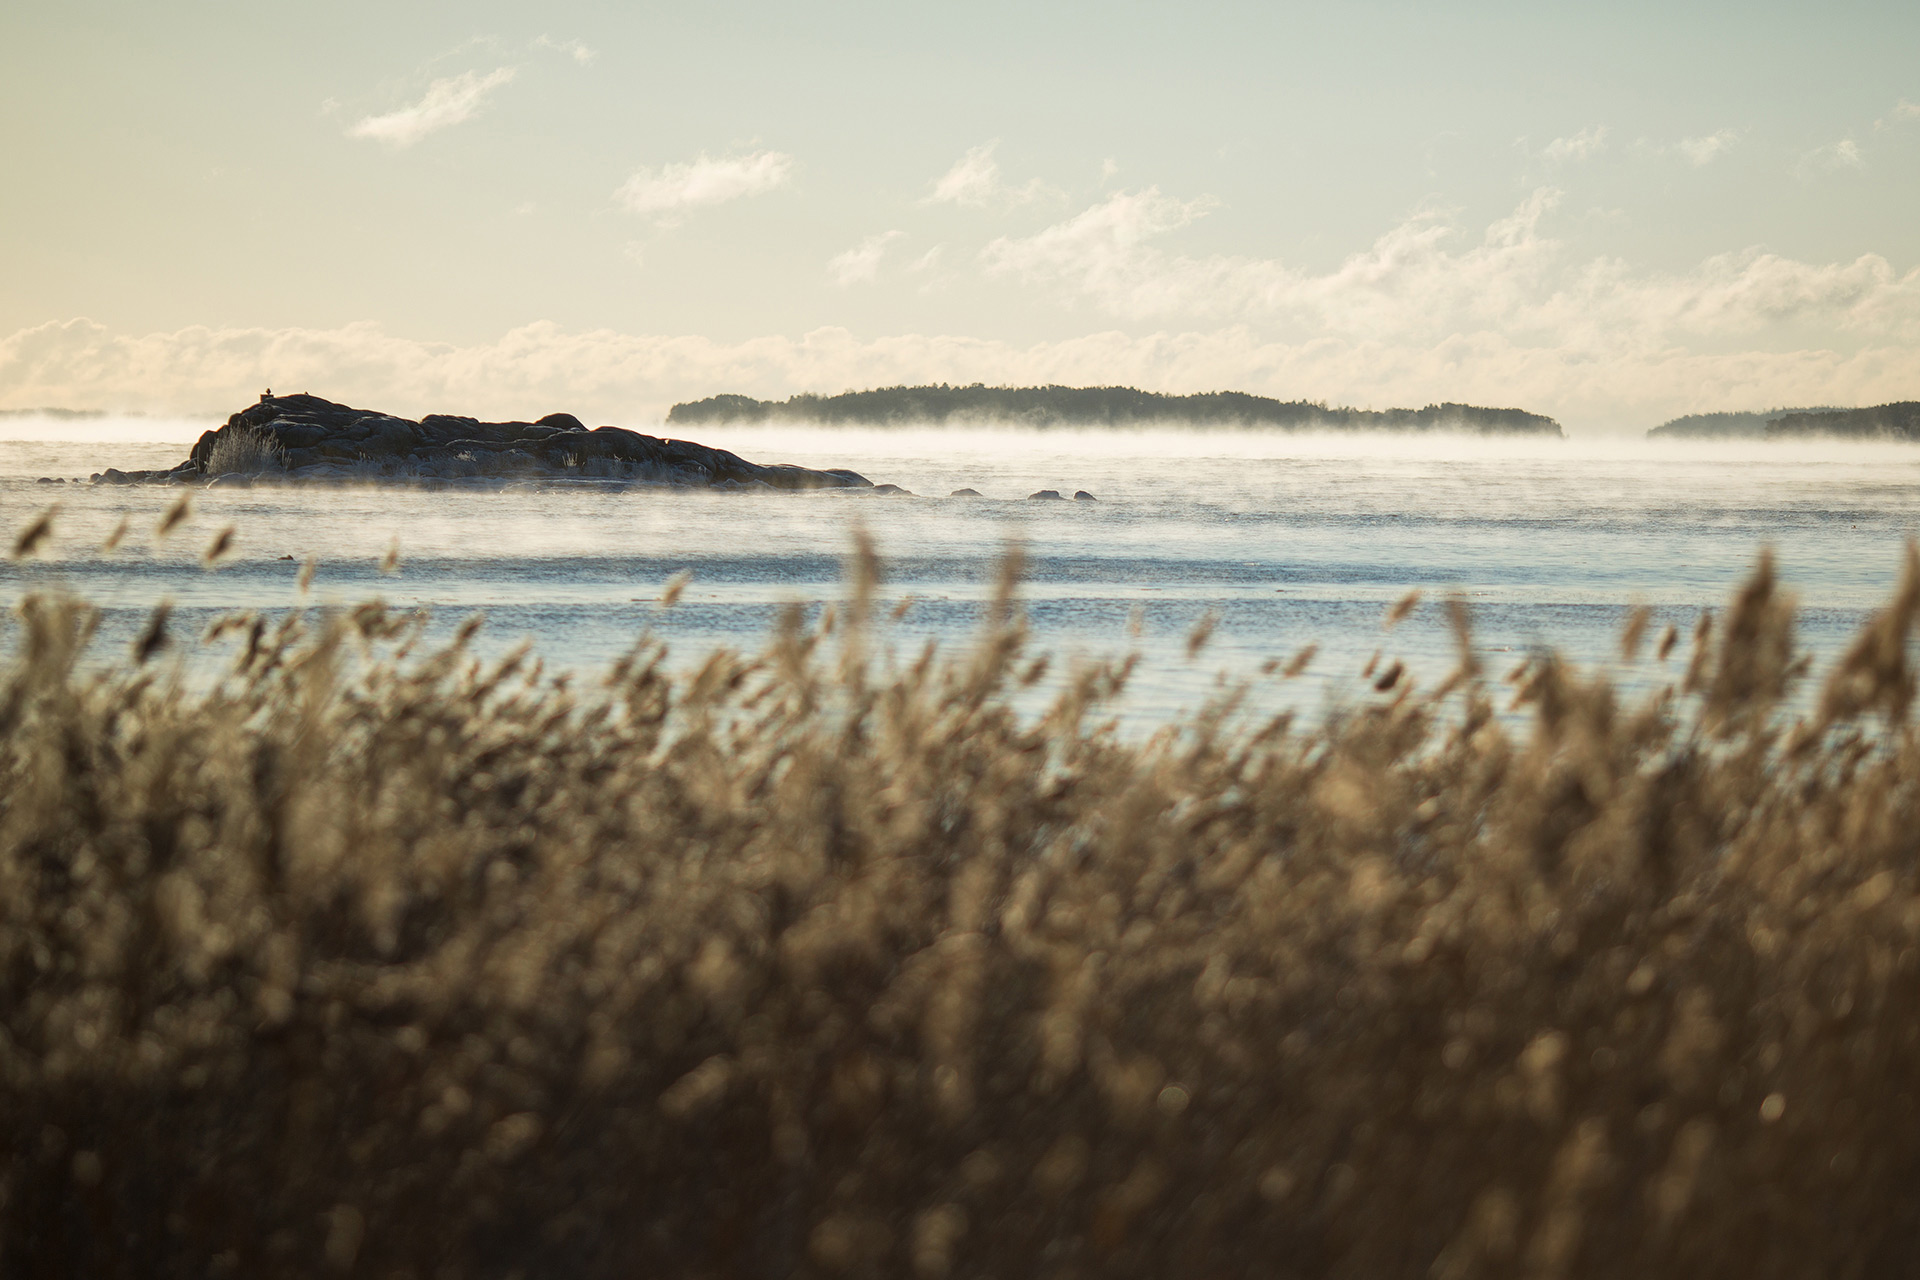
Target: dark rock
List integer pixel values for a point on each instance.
(1081, 495)
(296, 435)
(1050, 495)
(387, 435)
(891, 489)
(964, 493)
(318, 440)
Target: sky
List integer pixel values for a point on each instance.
(1612, 214)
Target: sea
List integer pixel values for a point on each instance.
(1262, 542)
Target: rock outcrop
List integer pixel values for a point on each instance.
(305, 438)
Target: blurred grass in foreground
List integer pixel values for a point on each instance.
(805, 964)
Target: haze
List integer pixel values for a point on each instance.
(1608, 214)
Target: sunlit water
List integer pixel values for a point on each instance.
(1288, 539)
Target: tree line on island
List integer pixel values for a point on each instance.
(1897, 421)
(1054, 406)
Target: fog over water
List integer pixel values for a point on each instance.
(1289, 539)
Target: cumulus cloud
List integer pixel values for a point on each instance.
(632, 379)
(1429, 310)
(862, 262)
(448, 102)
(975, 180)
(1105, 253)
(1844, 154)
(578, 50)
(1587, 142)
(1903, 112)
(667, 193)
(1422, 280)
(1708, 148)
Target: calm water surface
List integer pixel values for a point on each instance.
(1288, 539)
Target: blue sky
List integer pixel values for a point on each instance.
(1607, 213)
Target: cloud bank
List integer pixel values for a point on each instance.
(669, 192)
(1420, 283)
(1429, 311)
(448, 102)
(1628, 383)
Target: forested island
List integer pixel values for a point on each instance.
(1731, 426)
(1897, 421)
(1052, 406)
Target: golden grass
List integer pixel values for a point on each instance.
(802, 965)
(246, 452)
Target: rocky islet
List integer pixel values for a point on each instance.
(304, 438)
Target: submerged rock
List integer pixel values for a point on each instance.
(1081, 495)
(306, 438)
(1046, 495)
(964, 493)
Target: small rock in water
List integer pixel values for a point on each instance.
(891, 488)
(1081, 495)
(1052, 495)
(964, 493)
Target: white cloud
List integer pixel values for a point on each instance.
(668, 192)
(447, 102)
(1428, 311)
(1705, 150)
(578, 50)
(631, 379)
(1587, 142)
(862, 262)
(974, 180)
(1903, 111)
(1104, 253)
(1844, 154)
(1417, 284)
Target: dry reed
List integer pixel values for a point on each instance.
(807, 965)
(245, 452)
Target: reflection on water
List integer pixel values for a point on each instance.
(1288, 539)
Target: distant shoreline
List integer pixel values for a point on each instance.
(1899, 420)
(1073, 407)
